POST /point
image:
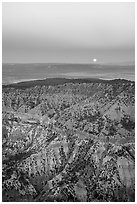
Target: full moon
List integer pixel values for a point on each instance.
(94, 60)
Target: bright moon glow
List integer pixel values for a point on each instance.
(94, 60)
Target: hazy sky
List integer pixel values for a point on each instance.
(68, 32)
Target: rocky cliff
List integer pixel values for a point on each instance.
(69, 142)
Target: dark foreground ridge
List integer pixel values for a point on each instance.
(66, 140)
(59, 81)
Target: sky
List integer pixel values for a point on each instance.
(68, 32)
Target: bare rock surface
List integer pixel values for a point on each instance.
(69, 142)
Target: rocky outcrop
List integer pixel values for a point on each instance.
(72, 142)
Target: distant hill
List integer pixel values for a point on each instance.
(59, 81)
(13, 73)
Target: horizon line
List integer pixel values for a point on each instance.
(95, 63)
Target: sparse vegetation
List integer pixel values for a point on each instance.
(68, 140)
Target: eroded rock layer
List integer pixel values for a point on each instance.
(70, 142)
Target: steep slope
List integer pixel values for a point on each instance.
(71, 142)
